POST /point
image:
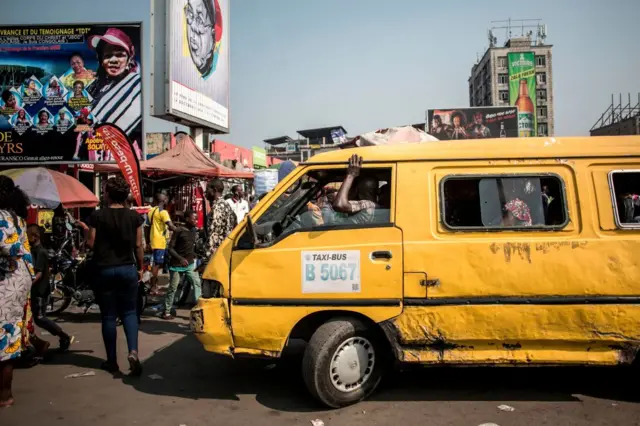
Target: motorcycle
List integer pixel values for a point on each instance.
(70, 281)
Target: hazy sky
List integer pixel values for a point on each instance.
(366, 64)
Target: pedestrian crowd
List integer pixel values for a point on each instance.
(117, 237)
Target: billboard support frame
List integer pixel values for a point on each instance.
(143, 147)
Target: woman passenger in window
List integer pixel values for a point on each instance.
(516, 213)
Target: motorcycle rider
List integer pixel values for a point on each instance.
(40, 289)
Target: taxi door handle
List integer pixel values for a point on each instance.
(381, 255)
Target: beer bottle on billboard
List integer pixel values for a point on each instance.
(503, 132)
(525, 110)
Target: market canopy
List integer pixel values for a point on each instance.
(183, 159)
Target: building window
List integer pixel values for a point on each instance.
(541, 77)
(543, 129)
(541, 61)
(625, 190)
(542, 111)
(503, 78)
(503, 202)
(502, 61)
(542, 94)
(504, 95)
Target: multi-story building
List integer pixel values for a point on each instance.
(489, 80)
(308, 143)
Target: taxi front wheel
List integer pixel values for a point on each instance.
(343, 362)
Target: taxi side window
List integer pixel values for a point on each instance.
(625, 189)
(503, 202)
(307, 205)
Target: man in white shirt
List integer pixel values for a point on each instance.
(238, 204)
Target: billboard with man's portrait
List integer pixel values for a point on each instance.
(473, 123)
(191, 70)
(58, 82)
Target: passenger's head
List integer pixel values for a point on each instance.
(367, 188)
(117, 190)
(215, 188)
(33, 234)
(12, 198)
(190, 218)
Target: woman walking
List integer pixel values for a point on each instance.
(15, 282)
(115, 235)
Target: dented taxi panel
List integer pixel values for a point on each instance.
(599, 334)
(218, 267)
(211, 324)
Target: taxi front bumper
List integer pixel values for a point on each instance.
(211, 324)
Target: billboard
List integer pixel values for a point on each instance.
(60, 81)
(259, 157)
(522, 90)
(473, 123)
(191, 62)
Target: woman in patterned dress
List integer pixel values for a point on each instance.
(15, 282)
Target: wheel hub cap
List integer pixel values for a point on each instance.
(352, 364)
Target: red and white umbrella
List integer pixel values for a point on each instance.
(48, 188)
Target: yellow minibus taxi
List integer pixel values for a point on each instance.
(493, 252)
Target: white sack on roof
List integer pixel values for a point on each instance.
(395, 135)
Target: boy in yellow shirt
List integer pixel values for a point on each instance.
(159, 222)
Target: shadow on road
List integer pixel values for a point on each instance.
(189, 372)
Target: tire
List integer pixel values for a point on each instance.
(59, 300)
(343, 344)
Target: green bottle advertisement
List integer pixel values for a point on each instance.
(522, 90)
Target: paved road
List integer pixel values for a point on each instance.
(201, 389)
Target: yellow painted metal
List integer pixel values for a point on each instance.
(492, 149)
(218, 267)
(267, 328)
(588, 257)
(211, 325)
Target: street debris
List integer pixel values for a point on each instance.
(317, 422)
(506, 408)
(270, 367)
(45, 333)
(155, 377)
(83, 374)
(489, 424)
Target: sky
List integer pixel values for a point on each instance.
(369, 64)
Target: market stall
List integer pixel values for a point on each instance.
(183, 172)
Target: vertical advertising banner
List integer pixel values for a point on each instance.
(473, 123)
(198, 62)
(522, 90)
(60, 81)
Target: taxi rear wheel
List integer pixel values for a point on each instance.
(343, 362)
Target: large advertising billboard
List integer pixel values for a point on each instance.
(191, 68)
(522, 90)
(473, 123)
(58, 82)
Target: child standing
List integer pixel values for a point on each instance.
(183, 261)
